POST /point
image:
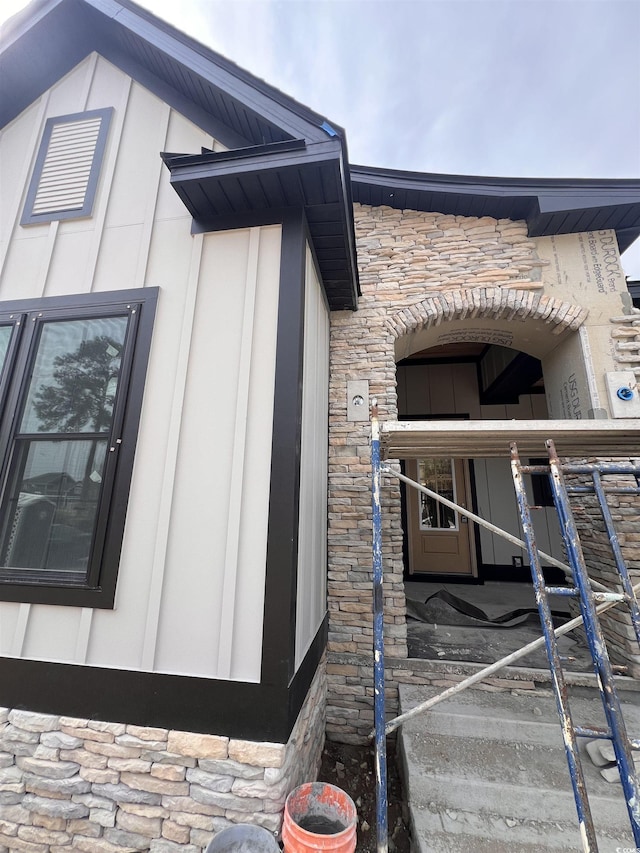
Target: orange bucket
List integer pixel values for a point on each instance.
(319, 816)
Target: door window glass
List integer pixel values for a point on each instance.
(437, 475)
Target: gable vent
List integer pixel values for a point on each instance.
(66, 173)
(67, 166)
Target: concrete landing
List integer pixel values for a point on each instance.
(486, 773)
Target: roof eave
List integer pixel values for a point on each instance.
(548, 205)
(220, 186)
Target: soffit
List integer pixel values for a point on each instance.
(217, 186)
(549, 206)
(484, 439)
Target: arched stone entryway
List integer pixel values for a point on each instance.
(366, 346)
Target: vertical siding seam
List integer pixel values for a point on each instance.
(152, 203)
(23, 184)
(83, 636)
(92, 63)
(20, 632)
(238, 453)
(103, 193)
(158, 565)
(47, 259)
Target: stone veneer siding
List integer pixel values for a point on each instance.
(84, 785)
(625, 513)
(416, 269)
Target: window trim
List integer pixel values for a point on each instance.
(54, 588)
(30, 218)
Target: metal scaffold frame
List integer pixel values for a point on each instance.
(593, 597)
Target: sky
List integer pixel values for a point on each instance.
(530, 88)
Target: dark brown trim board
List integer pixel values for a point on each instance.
(261, 712)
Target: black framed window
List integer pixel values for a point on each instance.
(71, 393)
(67, 167)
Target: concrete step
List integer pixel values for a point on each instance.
(534, 778)
(487, 771)
(442, 829)
(447, 831)
(503, 716)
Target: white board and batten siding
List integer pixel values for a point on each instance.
(311, 594)
(452, 389)
(190, 591)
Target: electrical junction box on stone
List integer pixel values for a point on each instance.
(357, 400)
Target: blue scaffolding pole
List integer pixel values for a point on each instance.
(378, 640)
(616, 730)
(593, 597)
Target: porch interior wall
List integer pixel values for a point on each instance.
(452, 389)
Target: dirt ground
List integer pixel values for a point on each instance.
(352, 769)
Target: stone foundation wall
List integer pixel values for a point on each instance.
(68, 784)
(346, 725)
(625, 512)
(416, 270)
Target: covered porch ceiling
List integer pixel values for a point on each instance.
(484, 439)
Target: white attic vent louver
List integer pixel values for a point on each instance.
(66, 172)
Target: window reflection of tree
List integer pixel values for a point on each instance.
(74, 406)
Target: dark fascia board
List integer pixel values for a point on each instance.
(241, 83)
(625, 189)
(275, 158)
(95, 22)
(199, 167)
(178, 161)
(543, 198)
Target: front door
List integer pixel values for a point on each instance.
(440, 539)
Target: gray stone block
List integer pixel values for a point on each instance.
(211, 781)
(229, 767)
(57, 786)
(55, 808)
(123, 794)
(48, 769)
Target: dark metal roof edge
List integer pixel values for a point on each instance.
(172, 160)
(487, 185)
(272, 105)
(543, 201)
(199, 166)
(157, 32)
(17, 25)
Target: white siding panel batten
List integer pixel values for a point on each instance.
(159, 561)
(238, 454)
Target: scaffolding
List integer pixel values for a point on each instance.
(612, 438)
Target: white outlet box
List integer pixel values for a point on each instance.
(358, 400)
